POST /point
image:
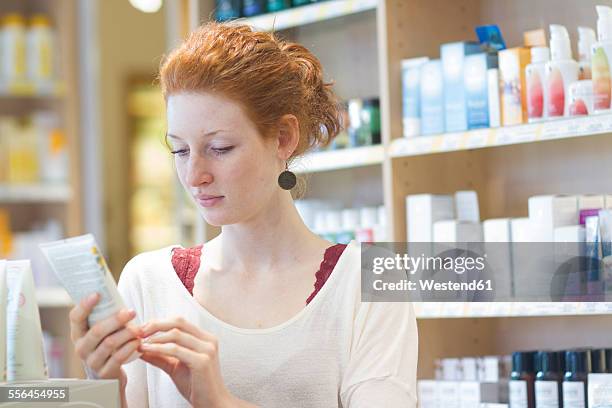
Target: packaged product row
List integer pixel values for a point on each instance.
(334, 223)
(574, 378)
(484, 84)
(231, 9)
(24, 244)
(28, 49)
(33, 149)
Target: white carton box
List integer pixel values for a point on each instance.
(600, 390)
(608, 201)
(498, 238)
(474, 393)
(590, 201)
(427, 391)
(497, 230)
(449, 394)
(81, 393)
(457, 231)
(423, 210)
(548, 212)
(466, 205)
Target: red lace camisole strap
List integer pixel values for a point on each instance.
(330, 259)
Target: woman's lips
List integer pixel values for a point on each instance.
(207, 200)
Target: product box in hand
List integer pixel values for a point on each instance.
(62, 393)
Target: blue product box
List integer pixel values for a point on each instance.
(477, 89)
(411, 96)
(453, 58)
(432, 98)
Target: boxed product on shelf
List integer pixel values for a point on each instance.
(591, 201)
(561, 71)
(411, 98)
(535, 79)
(512, 63)
(548, 212)
(477, 90)
(466, 206)
(432, 98)
(457, 231)
(453, 56)
(600, 57)
(423, 210)
(600, 390)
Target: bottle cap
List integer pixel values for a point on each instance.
(598, 361)
(549, 361)
(523, 361)
(540, 54)
(604, 23)
(560, 46)
(578, 361)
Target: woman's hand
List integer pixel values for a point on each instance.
(107, 344)
(190, 356)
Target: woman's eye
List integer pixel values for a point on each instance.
(221, 150)
(180, 152)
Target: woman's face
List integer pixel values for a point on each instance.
(222, 160)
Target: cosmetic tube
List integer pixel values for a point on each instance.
(25, 351)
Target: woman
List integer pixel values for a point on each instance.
(266, 314)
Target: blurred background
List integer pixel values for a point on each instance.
(82, 122)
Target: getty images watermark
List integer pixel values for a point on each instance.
(483, 272)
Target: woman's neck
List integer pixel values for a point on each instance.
(270, 241)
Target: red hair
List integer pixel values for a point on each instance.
(268, 76)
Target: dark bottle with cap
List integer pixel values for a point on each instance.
(578, 366)
(598, 361)
(548, 392)
(522, 380)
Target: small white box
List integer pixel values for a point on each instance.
(101, 393)
(548, 212)
(451, 369)
(493, 87)
(570, 234)
(423, 210)
(469, 369)
(590, 201)
(497, 230)
(491, 369)
(449, 394)
(608, 201)
(521, 230)
(427, 391)
(466, 205)
(474, 393)
(600, 390)
(457, 231)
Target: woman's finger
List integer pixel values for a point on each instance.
(115, 341)
(100, 330)
(118, 358)
(183, 339)
(178, 323)
(186, 356)
(80, 313)
(167, 364)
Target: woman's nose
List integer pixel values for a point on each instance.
(197, 172)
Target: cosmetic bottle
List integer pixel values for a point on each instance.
(600, 56)
(522, 380)
(548, 380)
(537, 91)
(578, 366)
(561, 71)
(586, 39)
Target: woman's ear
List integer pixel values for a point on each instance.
(288, 136)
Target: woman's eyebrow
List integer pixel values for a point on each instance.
(207, 134)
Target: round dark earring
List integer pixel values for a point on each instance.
(287, 179)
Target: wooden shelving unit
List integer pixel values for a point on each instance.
(361, 50)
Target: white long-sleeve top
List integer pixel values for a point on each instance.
(336, 352)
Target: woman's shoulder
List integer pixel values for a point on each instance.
(147, 263)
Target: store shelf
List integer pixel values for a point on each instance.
(311, 13)
(438, 310)
(31, 90)
(341, 159)
(52, 297)
(35, 193)
(528, 133)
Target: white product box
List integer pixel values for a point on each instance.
(608, 201)
(423, 210)
(457, 231)
(498, 247)
(521, 230)
(489, 405)
(427, 391)
(600, 390)
(590, 201)
(497, 230)
(494, 108)
(466, 206)
(474, 393)
(548, 212)
(469, 367)
(449, 393)
(90, 393)
(569, 234)
(451, 369)
(491, 369)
